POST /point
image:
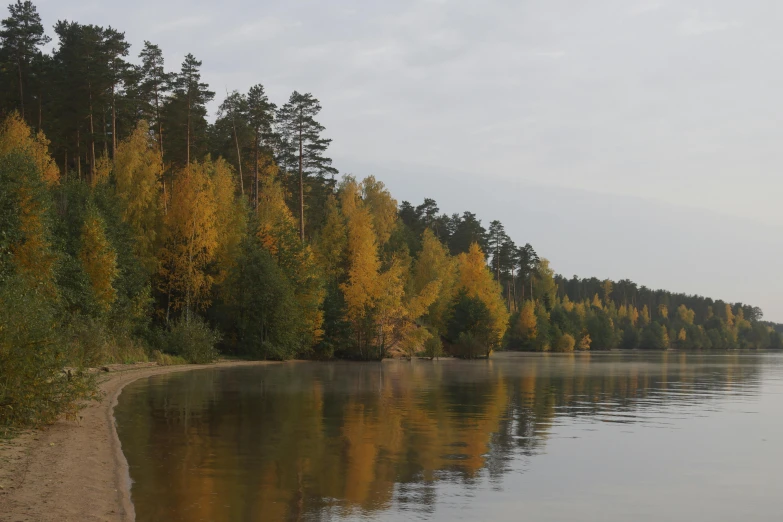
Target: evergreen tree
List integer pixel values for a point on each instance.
(154, 84)
(185, 114)
(21, 37)
(260, 118)
(302, 147)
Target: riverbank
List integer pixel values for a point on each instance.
(77, 472)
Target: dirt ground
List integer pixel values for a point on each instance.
(75, 472)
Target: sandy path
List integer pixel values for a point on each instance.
(71, 472)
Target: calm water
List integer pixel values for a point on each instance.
(599, 437)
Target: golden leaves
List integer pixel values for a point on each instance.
(475, 278)
(190, 238)
(15, 135)
(99, 261)
(137, 173)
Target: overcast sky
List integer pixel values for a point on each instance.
(623, 139)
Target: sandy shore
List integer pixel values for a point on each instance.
(70, 472)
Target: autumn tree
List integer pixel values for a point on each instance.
(137, 177)
(435, 264)
(25, 246)
(189, 242)
(475, 279)
(380, 311)
(16, 136)
(99, 260)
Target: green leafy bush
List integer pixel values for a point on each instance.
(433, 347)
(193, 340)
(34, 387)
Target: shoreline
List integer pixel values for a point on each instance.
(77, 471)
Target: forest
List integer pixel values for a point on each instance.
(134, 226)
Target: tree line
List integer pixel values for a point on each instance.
(133, 228)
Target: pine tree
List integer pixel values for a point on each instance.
(303, 147)
(185, 113)
(115, 48)
(260, 117)
(21, 36)
(154, 83)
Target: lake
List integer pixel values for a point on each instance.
(588, 437)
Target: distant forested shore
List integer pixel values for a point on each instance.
(132, 228)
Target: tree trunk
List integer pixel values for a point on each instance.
(239, 157)
(105, 137)
(78, 155)
(255, 175)
(92, 140)
(21, 88)
(188, 133)
(113, 124)
(160, 123)
(301, 190)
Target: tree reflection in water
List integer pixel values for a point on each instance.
(328, 440)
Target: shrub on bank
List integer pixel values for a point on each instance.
(193, 340)
(34, 388)
(433, 347)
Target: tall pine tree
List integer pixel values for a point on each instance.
(303, 147)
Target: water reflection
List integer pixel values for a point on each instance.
(313, 441)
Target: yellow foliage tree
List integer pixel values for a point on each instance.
(32, 255)
(382, 207)
(729, 316)
(597, 302)
(565, 343)
(99, 260)
(475, 278)
(31, 252)
(435, 264)
(15, 135)
(580, 309)
(362, 286)
(137, 175)
(584, 342)
(606, 288)
(382, 314)
(526, 324)
(685, 314)
(663, 311)
(100, 174)
(230, 216)
(645, 317)
(633, 314)
(568, 305)
(190, 240)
